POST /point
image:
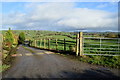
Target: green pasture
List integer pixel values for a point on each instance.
(90, 45)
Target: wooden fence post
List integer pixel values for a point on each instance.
(48, 43)
(77, 44)
(56, 44)
(64, 45)
(80, 43)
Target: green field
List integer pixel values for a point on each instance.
(107, 46)
(111, 46)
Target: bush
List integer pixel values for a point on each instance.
(112, 35)
(21, 38)
(8, 39)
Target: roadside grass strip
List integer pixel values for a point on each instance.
(29, 49)
(48, 52)
(40, 53)
(29, 54)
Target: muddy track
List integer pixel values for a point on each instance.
(45, 64)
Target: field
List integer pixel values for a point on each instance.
(56, 41)
(66, 41)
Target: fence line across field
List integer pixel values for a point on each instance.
(83, 45)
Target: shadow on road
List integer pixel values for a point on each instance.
(91, 74)
(57, 51)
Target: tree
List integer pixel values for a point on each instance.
(112, 35)
(21, 38)
(9, 38)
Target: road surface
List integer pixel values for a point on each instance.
(46, 64)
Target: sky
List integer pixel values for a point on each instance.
(60, 16)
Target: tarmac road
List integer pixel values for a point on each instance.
(46, 64)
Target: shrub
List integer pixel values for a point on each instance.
(21, 38)
(112, 35)
(8, 39)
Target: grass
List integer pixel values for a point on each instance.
(8, 59)
(60, 44)
(88, 47)
(28, 49)
(4, 67)
(71, 42)
(110, 61)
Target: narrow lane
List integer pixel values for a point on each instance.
(45, 64)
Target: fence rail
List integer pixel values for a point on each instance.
(82, 45)
(101, 46)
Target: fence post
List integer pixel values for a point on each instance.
(80, 43)
(48, 43)
(64, 45)
(77, 44)
(56, 44)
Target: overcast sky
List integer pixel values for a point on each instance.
(62, 16)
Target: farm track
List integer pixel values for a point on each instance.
(45, 64)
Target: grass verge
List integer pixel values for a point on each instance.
(29, 49)
(4, 67)
(106, 61)
(8, 60)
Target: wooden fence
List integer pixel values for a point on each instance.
(52, 44)
(82, 45)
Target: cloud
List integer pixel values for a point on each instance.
(102, 5)
(61, 17)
